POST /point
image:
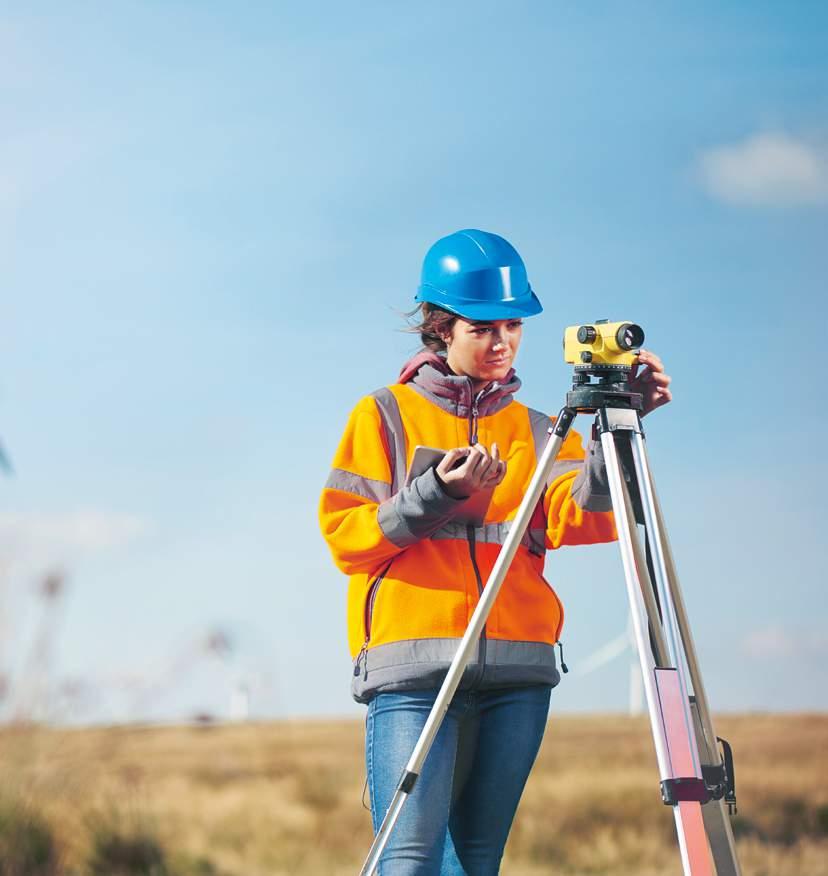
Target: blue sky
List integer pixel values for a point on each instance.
(211, 220)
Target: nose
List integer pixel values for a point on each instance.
(499, 339)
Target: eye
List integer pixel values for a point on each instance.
(482, 331)
(516, 323)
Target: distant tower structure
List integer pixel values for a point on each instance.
(221, 645)
(32, 694)
(240, 702)
(607, 653)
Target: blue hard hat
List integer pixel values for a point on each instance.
(477, 275)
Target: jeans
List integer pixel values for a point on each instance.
(456, 820)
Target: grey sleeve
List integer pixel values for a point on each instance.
(590, 489)
(417, 510)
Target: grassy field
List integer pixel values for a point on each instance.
(285, 798)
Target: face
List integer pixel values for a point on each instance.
(483, 351)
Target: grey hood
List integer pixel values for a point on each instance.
(430, 375)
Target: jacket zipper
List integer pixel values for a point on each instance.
(470, 536)
(474, 413)
(373, 588)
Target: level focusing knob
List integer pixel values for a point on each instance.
(586, 334)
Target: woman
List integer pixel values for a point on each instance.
(417, 565)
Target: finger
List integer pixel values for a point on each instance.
(473, 461)
(660, 378)
(661, 397)
(454, 466)
(496, 473)
(450, 459)
(485, 461)
(498, 469)
(653, 361)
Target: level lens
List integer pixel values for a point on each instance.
(629, 336)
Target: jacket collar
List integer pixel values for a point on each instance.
(429, 374)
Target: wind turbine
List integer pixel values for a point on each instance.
(612, 650)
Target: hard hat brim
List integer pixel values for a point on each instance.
(484, 311)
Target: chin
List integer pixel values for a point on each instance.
(497, 373)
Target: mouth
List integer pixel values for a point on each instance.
(504, 361)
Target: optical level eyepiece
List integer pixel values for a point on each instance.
(587, 334)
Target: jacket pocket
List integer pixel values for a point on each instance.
(560, 609)
(360, 663)
(370, 599)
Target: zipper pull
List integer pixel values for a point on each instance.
(564, 667)
(475, 412)
(362, 654)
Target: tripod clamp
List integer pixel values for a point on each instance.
(718, 782)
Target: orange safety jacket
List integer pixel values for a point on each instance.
(416, 574)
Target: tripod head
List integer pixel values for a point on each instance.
(602, 386)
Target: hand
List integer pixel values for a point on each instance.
(651, 382)
(468, 470)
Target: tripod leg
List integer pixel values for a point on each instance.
(716, 813)
(633, 573)
(468, 643)
(658, 645)
(715, 816)
(668, 707)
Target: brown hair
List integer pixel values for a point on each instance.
(433, 322)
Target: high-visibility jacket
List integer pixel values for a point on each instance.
(416, 574)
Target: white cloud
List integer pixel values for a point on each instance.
(58, 538)
(776, 641)
(770, 169)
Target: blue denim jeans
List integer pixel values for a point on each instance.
(457, 819)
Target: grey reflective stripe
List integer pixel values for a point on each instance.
(494, 533)
(540, 424)
(562, 466)
(392, 425)
(489, 533)
(348, 482)
(535, 540)
(422, 663)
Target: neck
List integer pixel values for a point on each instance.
(477, 385)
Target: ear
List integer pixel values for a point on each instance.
(445, 337)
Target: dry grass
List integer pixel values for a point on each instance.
(284, 797)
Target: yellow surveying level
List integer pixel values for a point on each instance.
(602, 343)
